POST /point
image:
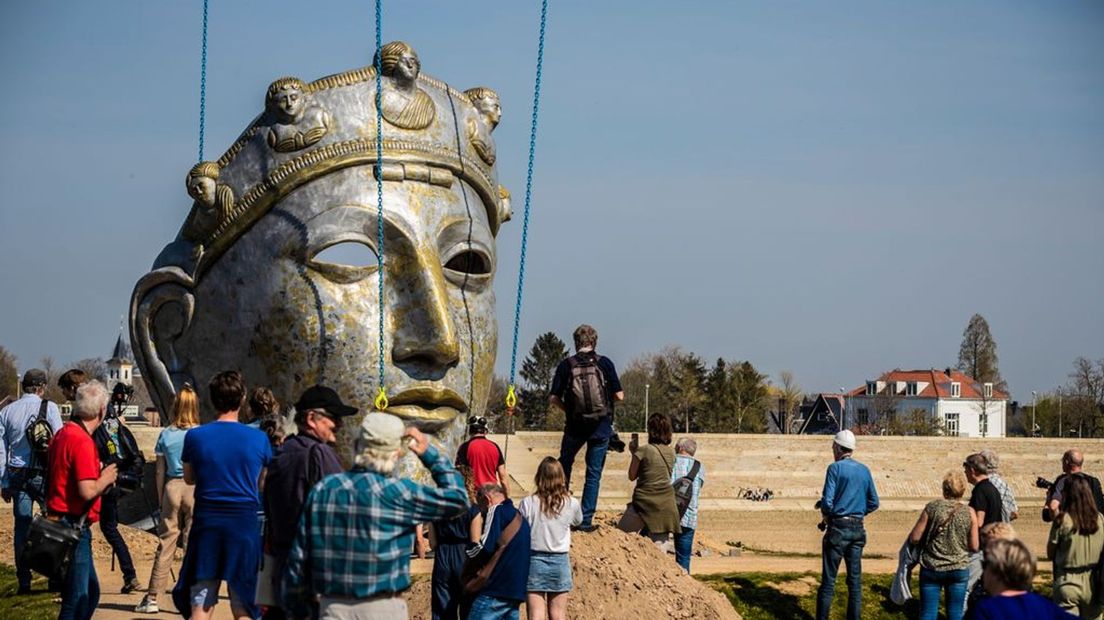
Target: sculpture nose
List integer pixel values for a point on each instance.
(425, 332)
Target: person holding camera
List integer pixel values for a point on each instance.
(1072, 461)
(652, 511)
(116, 446)
(848, 496)
(75, 485)
(585, 387)
(22, 462)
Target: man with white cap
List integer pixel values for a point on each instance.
(357, 527)
(849, 495)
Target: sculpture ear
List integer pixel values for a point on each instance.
(161, 311)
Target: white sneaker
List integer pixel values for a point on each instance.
(147, 606)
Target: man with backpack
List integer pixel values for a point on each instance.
(26, 428)
(586, 387)
(687, 476)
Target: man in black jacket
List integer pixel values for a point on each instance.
(1072, 461)
(116, 446)
(303, 460)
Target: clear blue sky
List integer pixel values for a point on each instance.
(831, 188)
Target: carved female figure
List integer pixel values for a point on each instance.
(404, 105)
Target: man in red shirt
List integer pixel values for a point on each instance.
(73, 491)
(483, 456)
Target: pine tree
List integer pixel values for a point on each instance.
(536, 371)
(977, 356)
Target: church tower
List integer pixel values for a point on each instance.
(120, 368)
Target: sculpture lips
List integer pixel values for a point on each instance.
(427, 404)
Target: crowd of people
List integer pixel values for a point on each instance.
(293, 533)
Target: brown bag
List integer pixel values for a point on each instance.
(476, 572)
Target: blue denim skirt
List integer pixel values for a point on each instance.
(549, 572)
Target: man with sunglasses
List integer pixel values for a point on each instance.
(303, 460)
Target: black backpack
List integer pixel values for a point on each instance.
(39, 434)
(684, 488)
(589, 400)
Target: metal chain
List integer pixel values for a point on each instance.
(203, 82)
(382, 398)
(528, 193)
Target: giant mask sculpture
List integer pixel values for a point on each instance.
(250, 282)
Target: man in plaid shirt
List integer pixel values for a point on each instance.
(1010, 511)
(352, 549)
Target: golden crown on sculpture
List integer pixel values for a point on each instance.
(432, 134)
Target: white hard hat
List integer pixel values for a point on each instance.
(845, 439)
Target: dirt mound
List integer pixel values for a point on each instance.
(618, 575)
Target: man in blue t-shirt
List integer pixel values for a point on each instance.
(225, 460)
(592, 431)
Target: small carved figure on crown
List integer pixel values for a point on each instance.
(505, 211)
(404, 105)
(214, 201)
(486, 102)
(299, 123)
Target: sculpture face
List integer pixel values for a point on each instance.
(490, 109)
(300, 318)
(276, 273)
(289, 102)
(406, 70)
(202, 189)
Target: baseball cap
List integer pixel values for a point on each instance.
(845, 439)
(322, 397)
(34, 377)
(380, 431)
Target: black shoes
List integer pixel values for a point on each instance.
(586, 527)
(131, 585)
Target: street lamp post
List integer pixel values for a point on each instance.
(1034, 403)
(843, 423)
(647, 389)
(1059, 411)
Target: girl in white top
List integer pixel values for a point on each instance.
(551, 513)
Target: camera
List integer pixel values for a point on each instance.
(1043, 483)
(823, 525)
(128, 482)
(616, 443)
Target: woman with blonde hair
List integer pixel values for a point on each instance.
(551, 513)
(947, 531)
(177, 497)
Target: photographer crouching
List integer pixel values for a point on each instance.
(116, 446)
(1072, 461)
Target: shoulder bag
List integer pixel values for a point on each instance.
(51, 544)
(476, 572)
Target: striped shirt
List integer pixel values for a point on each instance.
(357, 530)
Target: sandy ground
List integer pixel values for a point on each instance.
(763, 533)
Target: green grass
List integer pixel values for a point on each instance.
(761, 596)
(37, 606)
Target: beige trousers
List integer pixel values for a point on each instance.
(177, 503)
(388, 608)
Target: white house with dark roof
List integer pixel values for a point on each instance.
(965, 407)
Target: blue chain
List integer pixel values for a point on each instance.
(203, 82)
(528, 189)
(379, 176)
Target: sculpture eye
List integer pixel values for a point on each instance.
(469, 262)
(345, 262)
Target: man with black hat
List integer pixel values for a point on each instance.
(483, 456)
(22, 467)
(303, 460)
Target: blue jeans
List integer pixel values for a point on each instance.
(595, 462)
(844, 540)
(81, 593)
(951, 581)
(491, 608)
(26, 487)
(684, 546)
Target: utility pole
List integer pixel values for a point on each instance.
(1059, 411)
(647, 389)
(1034, 404)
